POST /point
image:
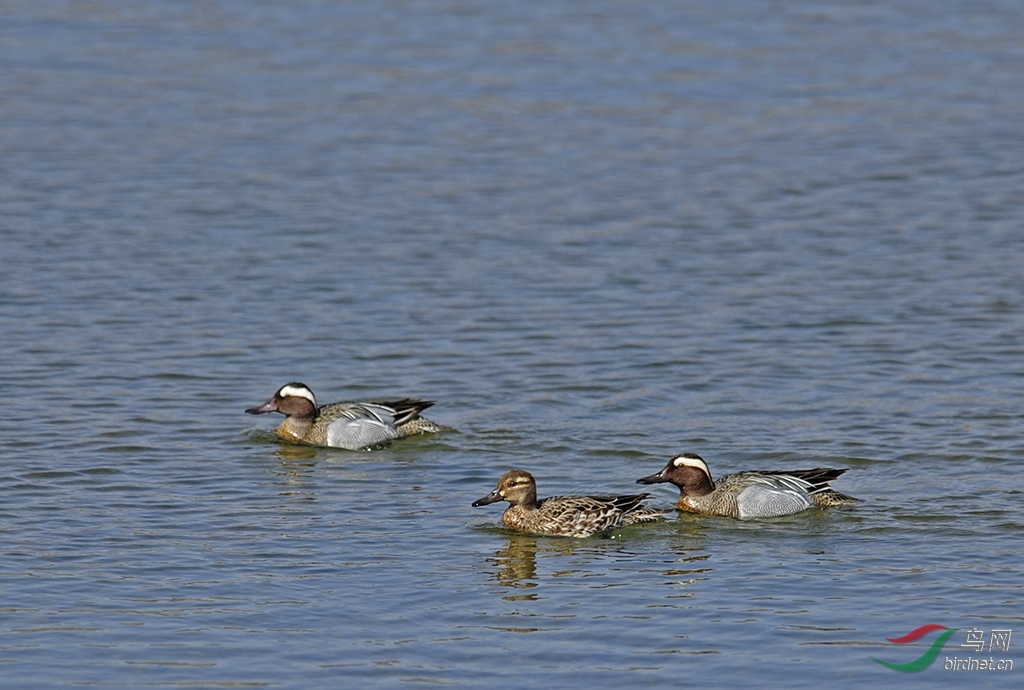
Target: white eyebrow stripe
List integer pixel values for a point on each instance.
(295, 391)
(683, 461)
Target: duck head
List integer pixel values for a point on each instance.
(518, 487)
(292, 399)
(688, 471)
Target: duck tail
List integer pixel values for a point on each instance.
(830, 498)
(407, 409)
(643, 514)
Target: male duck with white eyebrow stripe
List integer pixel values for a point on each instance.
(351, 425)
(751, 494)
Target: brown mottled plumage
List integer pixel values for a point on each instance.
(567, 516)
(751, 494)
(351, 425)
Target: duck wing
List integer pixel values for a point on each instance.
(358, 425)
(770, 494)
(818, 479)
(404, 410)
(584, 516)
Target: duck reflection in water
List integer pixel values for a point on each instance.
(516, 563)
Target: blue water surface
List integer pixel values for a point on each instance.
(779, 235)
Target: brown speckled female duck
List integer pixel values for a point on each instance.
(566, 516)
(351, 425)
(753, 494)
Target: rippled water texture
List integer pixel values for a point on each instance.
(778, 235)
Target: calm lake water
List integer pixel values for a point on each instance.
(780, 235)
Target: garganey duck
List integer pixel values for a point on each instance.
(567, 516)
(351, 425)
(752, 494)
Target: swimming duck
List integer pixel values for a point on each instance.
(567, 516)
(752, 494)
(351, 425)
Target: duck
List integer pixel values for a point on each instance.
(350, 425)
(565, 516)
(751, 494)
